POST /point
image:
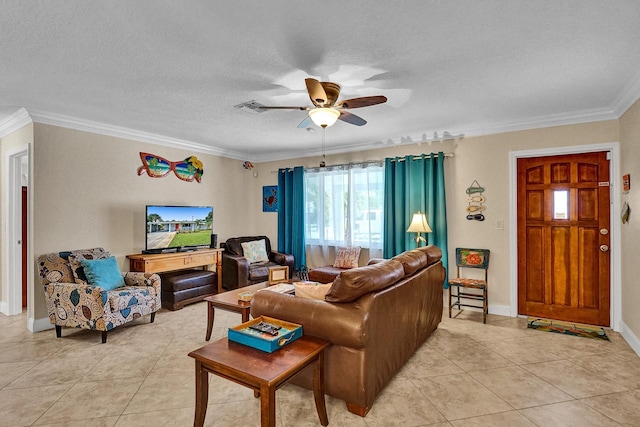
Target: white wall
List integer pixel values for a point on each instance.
(630, 164)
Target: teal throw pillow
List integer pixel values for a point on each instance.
(104, 273)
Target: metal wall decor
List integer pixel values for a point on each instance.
(475, 202)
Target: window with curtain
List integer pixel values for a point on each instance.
(345, 205)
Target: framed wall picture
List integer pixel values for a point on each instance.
(278, 274)
(270, 198)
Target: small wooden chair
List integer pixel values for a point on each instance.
(470, 258)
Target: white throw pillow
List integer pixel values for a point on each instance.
(255, 251)
(311, 290)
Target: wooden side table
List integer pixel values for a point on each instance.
(260, 371)
(229, 301)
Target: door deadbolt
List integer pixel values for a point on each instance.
(604, 248)
(604, 231)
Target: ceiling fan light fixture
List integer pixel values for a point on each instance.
(324, 117)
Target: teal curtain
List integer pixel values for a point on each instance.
(291, 214)
(412, 184)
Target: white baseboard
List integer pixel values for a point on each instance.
(4, 308)
(630, 337)
(37, 325)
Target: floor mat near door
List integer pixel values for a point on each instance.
(567, 328)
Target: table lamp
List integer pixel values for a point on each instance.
(419, 225)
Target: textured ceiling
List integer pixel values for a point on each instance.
(173, 70)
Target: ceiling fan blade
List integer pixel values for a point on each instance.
(306, 123)
(332, 91)
(281, 107)
(348, 117)
(316, 92)
(365, 101)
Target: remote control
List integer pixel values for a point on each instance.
(266, 328)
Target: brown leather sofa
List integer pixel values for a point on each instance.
(237, 272)
(375, 316)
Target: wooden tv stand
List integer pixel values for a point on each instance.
(161, 263)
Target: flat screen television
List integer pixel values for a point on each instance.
(177, 227)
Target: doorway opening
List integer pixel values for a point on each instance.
(17, 262)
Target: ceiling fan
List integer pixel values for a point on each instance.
(326, 108)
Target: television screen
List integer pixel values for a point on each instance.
(178, 227)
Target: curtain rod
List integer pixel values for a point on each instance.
(369, 162)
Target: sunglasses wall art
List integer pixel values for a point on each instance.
(158, 167)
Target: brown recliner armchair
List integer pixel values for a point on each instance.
(237, 271)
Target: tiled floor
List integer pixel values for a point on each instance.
(466, 374)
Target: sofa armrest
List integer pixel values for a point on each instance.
(65, 300)
(340, 324)
(235, 270)
(133, 278)
(283, 259)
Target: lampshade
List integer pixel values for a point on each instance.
(419, 224)
(324, 117)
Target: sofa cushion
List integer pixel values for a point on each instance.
(434, 254)
(103, 273)
(412, 261)
(347, 257)
(255, 251)
(75, 262)
(325, 274)
(353, 283)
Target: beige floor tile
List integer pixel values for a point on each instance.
(166, 418)
(163, 390)
(402, 404)
(81, 401)
(296, 407)
(54, 371)
(623, 372)
(29, 350)
(576, 380)
(23, 407)
(122, 365)
(507, 419)
(522, 351)
(474, 356)
(520, 388)
(567, 414)
(460, 396)
(12, 370)
(428, 362)
(622, 407)
(93, 422)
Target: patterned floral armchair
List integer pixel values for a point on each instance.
(72, 301)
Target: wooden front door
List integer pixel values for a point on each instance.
(563, 237)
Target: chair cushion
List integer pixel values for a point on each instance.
(260, 271)
(468, 283)
(75, 263)
(347, 257)
(255, 251)
(103, 273)
(121, 298)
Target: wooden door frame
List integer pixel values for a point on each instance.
(615, 247)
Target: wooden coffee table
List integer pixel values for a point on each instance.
(263, 372)
(229, 301)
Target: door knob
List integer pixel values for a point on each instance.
(604, 248)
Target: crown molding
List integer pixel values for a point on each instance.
(61, 120)
(16, 121)
(627, 97)
(22, 117)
